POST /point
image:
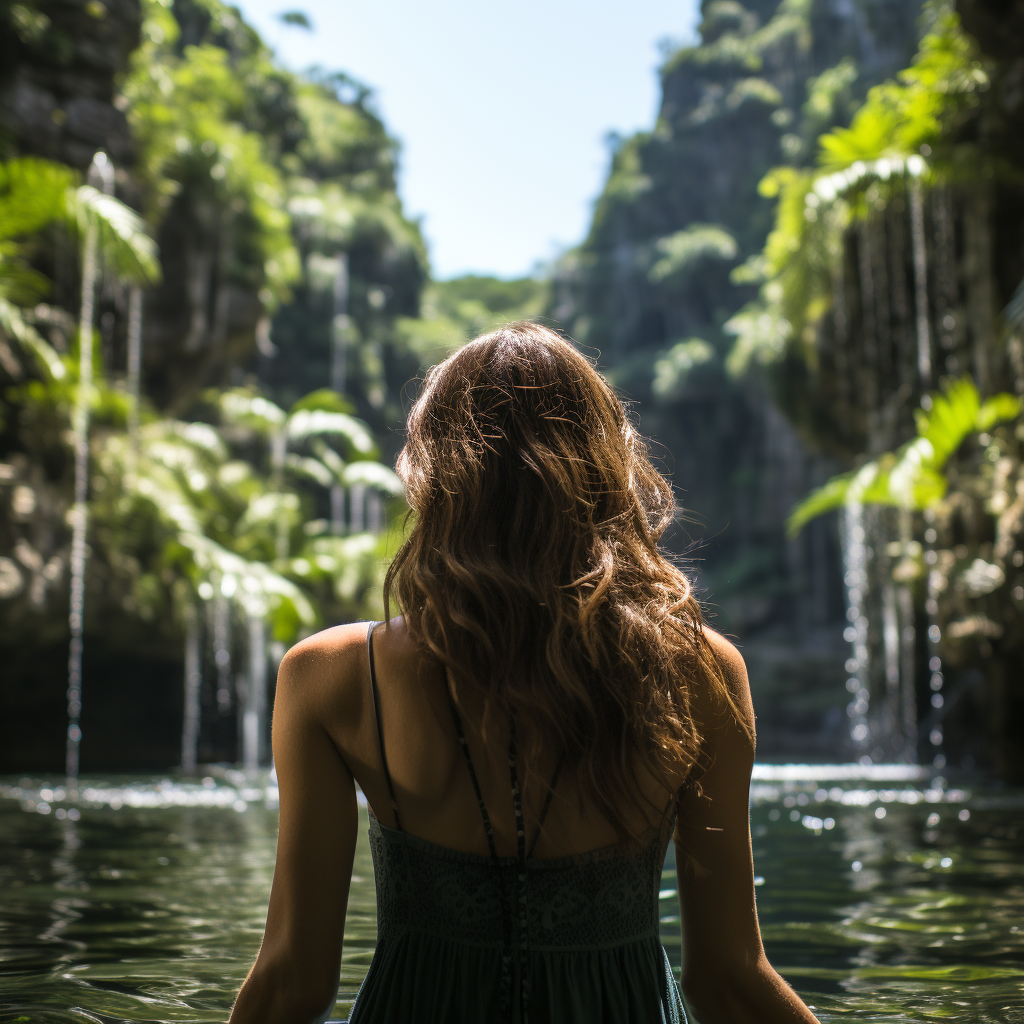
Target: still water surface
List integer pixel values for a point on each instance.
(881, 899)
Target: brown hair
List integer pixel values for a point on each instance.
(532, 569)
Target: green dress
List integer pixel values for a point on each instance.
(463, 938)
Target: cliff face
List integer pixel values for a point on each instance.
(59, 62)
(672, 255)
(258, 185)
(894, 267)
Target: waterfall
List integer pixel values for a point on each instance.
(340, 326)
(102, 172)
(841, 327)
(357, 508)
(193, 682)
(869, 335)
(945, 274)
(337, 509)
(906, 708)
(254, 710)
(924, 341)
(980, 290)
(855, 579)
(374, 512)
(885, 261)
(221, 635)
(339, 359)
(278, 454)
(931, 608)
(887, 720)
(134, 363)
(902, 368)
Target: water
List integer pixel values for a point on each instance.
(884, 895)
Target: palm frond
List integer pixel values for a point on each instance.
(312, 469)
(326, 399)
(373, 474)
(247, 409)
(913, 477)
(952, 417)
(829, 496)
(16, 327)
(307, 423)
(123, 240)
(998, 409)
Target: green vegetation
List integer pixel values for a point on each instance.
(37, 194)
(913, 478)
(455, 311)
(267, 190)
(910, 129)
(257, 185)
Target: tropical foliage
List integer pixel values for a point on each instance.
(913, 477)
(221, 506)
(274, 178)
(35, 194)
(907, 131)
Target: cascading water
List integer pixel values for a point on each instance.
(374, 512)
(931, 607)
(857, 666)
(924, 341)
(101, 175)
(254, 708)
(337, 509)
(357, 508)
(278, 454)
(134, 363)
(887, 724)
(869, 335)
(339, 360)
(193, 684)
(221, 638)
(906, 698)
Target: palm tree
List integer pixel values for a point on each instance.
(34, 194)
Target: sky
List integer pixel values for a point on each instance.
(502, 110)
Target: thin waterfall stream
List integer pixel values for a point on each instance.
(101, 174)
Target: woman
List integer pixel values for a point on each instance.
(528, 734)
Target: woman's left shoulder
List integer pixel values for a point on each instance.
(327, 669)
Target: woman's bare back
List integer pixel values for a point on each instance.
(432, 786)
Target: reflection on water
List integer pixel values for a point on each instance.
(889, 896)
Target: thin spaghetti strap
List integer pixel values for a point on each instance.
(380, 724)
(546, 805)
(505, 994)
(472, 772)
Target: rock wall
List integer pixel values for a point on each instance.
(59, 64)
(663, 270)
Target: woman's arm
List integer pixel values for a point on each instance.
(726, 977)
(295, 977)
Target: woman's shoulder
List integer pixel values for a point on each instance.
(334, 663)
(733, 669)
(728, 656)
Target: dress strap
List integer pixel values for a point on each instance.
(472, 773)
(380, 724)
(505, 994)
(519, 914)
(546, 805)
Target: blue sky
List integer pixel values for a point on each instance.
(501, 110)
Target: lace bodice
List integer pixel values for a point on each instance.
(606, 895)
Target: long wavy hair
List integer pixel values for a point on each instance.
(532, 569)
